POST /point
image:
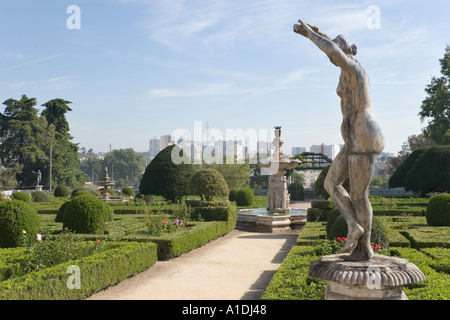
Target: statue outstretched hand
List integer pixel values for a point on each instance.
(301, 28)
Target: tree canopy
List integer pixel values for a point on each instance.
(436, 106)
(28, 139)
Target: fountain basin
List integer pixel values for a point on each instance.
(260, 220)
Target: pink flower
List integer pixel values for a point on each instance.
(165, 221)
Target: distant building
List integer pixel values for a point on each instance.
(166, 141)
(154, 147)
(331, 151)
(298, 150)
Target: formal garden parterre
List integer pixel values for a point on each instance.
(408, 236)
(61, 263)
(137, 234)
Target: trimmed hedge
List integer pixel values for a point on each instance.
(218, 213)
(291, 282)
(96, 272)
(438, 210)
(175, 244)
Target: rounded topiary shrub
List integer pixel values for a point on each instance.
(438, 210)
(40, 196)
(81, 192)
(61, 191)
(128, 191)
(22, 196)
(379, 232)
(334, 214)
(232, 195)
(339, 228)
(245, 197)
(296, 191)
(208, 183)
(19, 223)
(86, 214)
(60, 214)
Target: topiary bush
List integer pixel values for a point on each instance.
(438, 210)
(40, 196)
(296, 191)
(61, 191)
(86, 214)
(167, 175)
(232, 195)
(22, 196)
(19, 223)
(208, 183)
(128, 191)
(245, 197)
(339, 228)
(81, 192)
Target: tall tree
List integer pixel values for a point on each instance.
(21, 134)
(65, 163)
(124, 165)
(436, 106)
(33, 141)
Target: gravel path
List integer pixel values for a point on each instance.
(236, 266)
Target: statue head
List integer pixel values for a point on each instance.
(349, 50)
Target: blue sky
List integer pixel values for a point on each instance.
(143, 68)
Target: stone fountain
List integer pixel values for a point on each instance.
(278, 196)
(105, 183)
(278, 216)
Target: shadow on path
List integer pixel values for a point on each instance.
(257, 288)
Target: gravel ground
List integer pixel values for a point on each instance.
(237, 266)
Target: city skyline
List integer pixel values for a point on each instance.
(138, 69)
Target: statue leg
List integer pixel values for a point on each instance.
(361, 168)
(338, 172)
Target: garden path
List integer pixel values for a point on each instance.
(236, 266)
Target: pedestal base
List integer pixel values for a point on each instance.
(380, 278)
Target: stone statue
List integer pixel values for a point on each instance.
(38, 177)
(363, 142)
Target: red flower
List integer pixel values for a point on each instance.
(339, 239)
(376, 247)
(98, 240)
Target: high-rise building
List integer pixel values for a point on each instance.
(154, 147)
(298, 150)
(330, 150)
(166, 141)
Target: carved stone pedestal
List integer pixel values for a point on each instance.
(380, 278)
